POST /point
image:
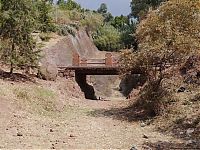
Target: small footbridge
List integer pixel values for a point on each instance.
(83, 67)
(106, 66)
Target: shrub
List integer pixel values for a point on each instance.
(107, 38)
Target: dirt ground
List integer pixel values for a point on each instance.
(81, 124)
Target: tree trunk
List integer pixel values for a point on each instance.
(11, 59)
(11, 68)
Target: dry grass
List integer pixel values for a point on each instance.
(30, 96)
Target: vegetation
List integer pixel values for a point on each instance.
(17, 25)
(20, 19)
(140, 8)
(45, 21)
(120, 26)
(68, 5)
(107, 38)
(167, 37)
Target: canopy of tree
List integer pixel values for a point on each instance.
(169, 34)
(16, 26)
(141, 7)
(107, 38)
(68, 5)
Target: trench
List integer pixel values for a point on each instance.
(87, 89)
(107, 86)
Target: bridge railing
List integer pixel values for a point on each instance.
(108, 61)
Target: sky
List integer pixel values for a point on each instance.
(116, 7)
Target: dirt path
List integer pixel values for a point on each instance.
(82, 125)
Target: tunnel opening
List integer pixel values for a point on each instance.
(87, 89)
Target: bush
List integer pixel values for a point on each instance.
(154, 98)
(169, 35)
(65, 30)
(107, 38)
(45, 37)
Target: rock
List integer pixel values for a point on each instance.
(190, 142)
(51, 130)
(133, 148)
(142, 124)
(48, 71)
(71, 135)
(181, 89)
(181, 133)
(19, 134)
(189, 131)
(145, 137)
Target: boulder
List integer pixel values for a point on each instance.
(48, 71)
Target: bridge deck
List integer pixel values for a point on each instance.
(93, 70)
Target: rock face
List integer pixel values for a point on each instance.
(58, 52)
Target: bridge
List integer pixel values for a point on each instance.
(107, 66)
(83, 67)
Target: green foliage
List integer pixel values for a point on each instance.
(127, 38)
(102, 9)
(107, 38)
(91, 21)
(45, 21)
(127, 28)
(68, 5)
(120, 21)
(141, 7)
(17, 25)
(66, 30)
(45, 37)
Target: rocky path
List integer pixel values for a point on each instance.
(82, 125)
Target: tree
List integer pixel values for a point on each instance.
(44, 19)
(169, 36)
(69, 5)
(127, 28)
(107, 38)
(107, 17)
(17, 26)
(102, 9)
(120, 22)
(141, 7)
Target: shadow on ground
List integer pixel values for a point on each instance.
(129, 114)
(178, 130)
(16, 77)
(170, 146)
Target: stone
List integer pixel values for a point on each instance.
(190, 142)
(181, 133)
(51, 130)
(19, 134)
(133, 148)
(71, 135)
(142, 124)
(181, 89)
(189, 131)
(145, 137)
(48, 71)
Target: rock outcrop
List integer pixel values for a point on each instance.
(58, 52)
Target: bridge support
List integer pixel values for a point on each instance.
(108, 60)
(88, 90)
(75, 59)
